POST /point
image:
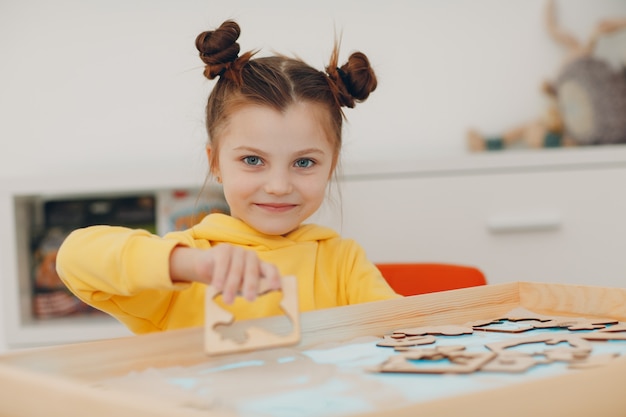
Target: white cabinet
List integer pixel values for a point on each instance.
(552, 215)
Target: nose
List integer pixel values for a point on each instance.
(278, 182)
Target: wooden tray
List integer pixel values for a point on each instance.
(59, 381)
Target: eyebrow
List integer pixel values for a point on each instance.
(307, 151)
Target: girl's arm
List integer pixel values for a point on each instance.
(143, 279)
(99, 260)
(124, 272)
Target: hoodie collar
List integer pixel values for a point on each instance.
(219, 227)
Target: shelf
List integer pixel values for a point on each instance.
(505, 161)
(20, 204)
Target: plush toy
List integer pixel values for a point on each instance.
(546, 132)
(587, 98)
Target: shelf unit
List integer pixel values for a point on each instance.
(19, 199)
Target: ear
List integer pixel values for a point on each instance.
(208, 153)
(213, 168)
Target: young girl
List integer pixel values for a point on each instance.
(274, 127)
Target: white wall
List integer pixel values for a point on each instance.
(91, 85)
(100, 85)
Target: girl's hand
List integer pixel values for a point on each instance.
(230, 269)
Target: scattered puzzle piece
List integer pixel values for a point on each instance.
(513, 362)
(538, 321)
(459, 362)
(407, 341)
(578, 353)
(435, 330)
(576, 342)
(437, 352)
(616, 332)
(493, 326)
(593, 361)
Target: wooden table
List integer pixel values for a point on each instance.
(61, 381)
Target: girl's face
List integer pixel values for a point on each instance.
(275, 166)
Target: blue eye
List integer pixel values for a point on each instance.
(304, 163)
(252, 160)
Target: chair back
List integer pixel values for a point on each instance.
(420, 278)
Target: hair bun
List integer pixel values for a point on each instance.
(354, 81)
(219, 48)
(360, 79)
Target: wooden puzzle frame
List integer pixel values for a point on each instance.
(255, 337)
(58, 381)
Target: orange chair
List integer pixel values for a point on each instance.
(420, 278)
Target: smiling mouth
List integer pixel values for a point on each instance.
(275, 208)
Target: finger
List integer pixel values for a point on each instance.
(234, 275)
(251, 276)
(271, 275)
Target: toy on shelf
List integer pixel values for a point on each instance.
(587, 98)
(546, 132)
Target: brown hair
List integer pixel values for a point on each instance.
(277, 82)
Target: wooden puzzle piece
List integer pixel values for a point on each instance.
(521, 314)
(577, 324)
(513, 362)
(448, 330)
(620, 327)
(577, 354)
(390, 341)
(492, 326)
(256, 338)
(593, 361)
(516, 315)
(459, 362)
(616, 332)
(541, 321)
(538, 321)
(566, 354)
(577, 343)
(434, 353)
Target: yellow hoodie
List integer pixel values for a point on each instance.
(125, 272)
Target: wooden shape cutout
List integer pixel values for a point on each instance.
(593, 361)
(577, 324)
(435, 353)
(619, 327)
(460, 362)
(407, 341)
(539, 321)
(577, 343)
(448, 330)
(577, 354)
(256, 338)
(486, 327)
(566, 354)
(522, 314)
(514, 362)
(480, 323)
(616, 332)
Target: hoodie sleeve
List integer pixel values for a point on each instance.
(124, 272)
(363, 282)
